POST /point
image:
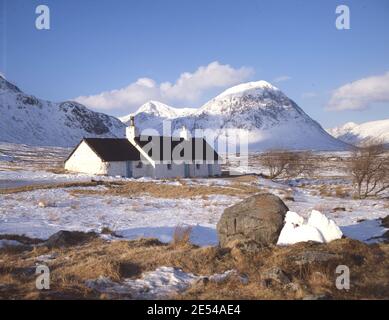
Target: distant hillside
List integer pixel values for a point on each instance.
(358, 133)
(29, 120)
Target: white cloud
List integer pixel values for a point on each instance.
(187, 89)
(281, 79)
(360, 94)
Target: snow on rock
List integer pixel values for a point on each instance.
(158, 284)
(293, 232)
(327, 227)
(294, 219)
(162, 282)
(318, 228)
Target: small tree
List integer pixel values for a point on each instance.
(287, 164)
(369, 168)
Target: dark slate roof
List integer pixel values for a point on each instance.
(111, 149)
(193, 149)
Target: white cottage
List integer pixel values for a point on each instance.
(145, 156)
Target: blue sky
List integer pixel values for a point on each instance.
(99, 46)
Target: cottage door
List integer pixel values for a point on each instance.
(186, 167)
(210, 171)
(129, 169)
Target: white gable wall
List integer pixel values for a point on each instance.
(85, 160)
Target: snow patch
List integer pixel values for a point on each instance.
(318, 228)
(158, 284)
(254, 87)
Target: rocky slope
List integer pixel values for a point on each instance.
(29, 120)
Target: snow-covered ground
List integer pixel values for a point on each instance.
(130, 217)
(146, 216)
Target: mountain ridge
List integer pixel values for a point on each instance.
(272, 120)
(29, 120)
(357, 134)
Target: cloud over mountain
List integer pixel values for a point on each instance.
(187, 89)
(360, 94)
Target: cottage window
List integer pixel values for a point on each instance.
(139, 165)
(197, 166)
(169, 166)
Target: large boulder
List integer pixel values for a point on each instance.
(258, 218)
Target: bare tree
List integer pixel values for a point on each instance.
(287, 164)
(369, 168)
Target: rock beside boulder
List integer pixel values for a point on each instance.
(69, 238)
(312, 256)
(275, 274)
(258, 218)
(385, 222)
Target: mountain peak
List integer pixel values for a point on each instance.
(159, 109)
(6, 85)
(254, 87)
(153, 105)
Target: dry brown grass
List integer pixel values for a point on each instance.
(181, 236)
(49, 186)
(161, 190)
(324, 191)
(117, 260)
(341, 192)
(57, 170)
(251, 179)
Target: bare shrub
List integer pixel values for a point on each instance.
(324, 191)
(181, 236)
(340, 192)
(287, 164)
(369, 168)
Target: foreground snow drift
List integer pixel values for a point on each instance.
(158, 284)
(318, 228)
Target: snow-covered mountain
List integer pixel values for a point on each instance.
(151, 114)
(29, 120)
(358, 133)
(270, 118)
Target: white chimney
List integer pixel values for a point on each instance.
(185, 134)
(131, 131)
